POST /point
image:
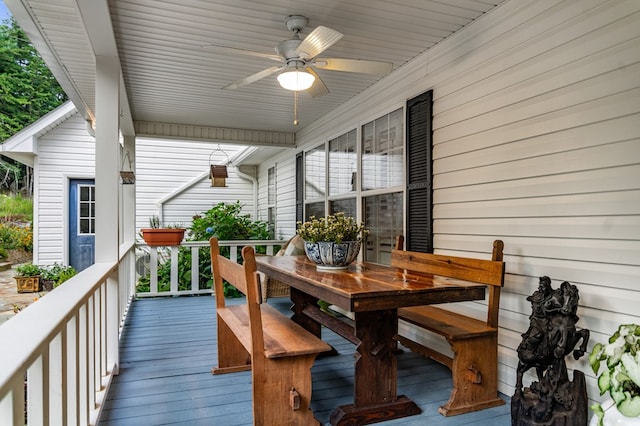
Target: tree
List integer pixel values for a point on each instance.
(28, 91)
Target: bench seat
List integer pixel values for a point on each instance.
(282, 336)
(474, 364)
(255, 336)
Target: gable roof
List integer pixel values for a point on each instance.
(23, 146)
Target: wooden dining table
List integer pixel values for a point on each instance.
(372, 293)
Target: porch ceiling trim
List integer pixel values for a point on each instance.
(214, 134)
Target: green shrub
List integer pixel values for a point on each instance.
(16, 237)
(223, 221)
(28, 270)
(16, 208)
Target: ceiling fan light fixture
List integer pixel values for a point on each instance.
(296, 80)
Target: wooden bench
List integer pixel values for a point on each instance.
(251, 335)
(474, 365)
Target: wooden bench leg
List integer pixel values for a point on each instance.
(475, 376)
(273, 382)
(232, 356)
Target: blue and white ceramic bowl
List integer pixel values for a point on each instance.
(332, 256)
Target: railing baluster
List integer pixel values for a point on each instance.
(153, 269)
(195, 269)
(174, 269)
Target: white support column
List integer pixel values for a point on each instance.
(107, 193)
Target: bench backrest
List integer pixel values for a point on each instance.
(245, 279)
(490, 272)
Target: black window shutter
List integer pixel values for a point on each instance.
(419, 219)
(299, 187)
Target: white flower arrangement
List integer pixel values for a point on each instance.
(336, 228)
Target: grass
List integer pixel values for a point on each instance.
(15, 208)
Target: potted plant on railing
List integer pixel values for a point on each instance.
(157, 235)
(332, 242)
(27, 278)
(621, 377)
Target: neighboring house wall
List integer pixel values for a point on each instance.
(537, 143)
(164, 170)
(63, 153)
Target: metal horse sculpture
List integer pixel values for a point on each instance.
(551, 336)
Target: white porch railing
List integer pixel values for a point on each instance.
(149, 259)
(62, 351)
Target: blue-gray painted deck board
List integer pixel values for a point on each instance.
(169, 346)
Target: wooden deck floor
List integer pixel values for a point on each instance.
(169, 347)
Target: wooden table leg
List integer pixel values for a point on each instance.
(300, 301)
(376, 373)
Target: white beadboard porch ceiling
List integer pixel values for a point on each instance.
(170, 76)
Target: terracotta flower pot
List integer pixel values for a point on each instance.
(163, 236)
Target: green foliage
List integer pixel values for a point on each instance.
(154, 222)
(57, 273)
(16, 237)
(28, 270)
(223, 221)
(28, 90)
(621, 375)
(16, 208)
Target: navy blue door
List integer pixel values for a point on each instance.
(82, 224)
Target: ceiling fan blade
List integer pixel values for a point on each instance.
(252, 78)
(354, 65)
(317, 42)
(235, 51)
(318, 88)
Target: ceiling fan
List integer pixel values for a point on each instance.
(299, 59)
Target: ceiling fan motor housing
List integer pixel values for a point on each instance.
(295, 23)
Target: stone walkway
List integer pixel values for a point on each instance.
(10, 300)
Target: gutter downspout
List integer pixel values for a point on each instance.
(254, 181)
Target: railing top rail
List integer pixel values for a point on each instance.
(43, 320)
(226, 243)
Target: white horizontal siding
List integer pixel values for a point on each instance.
(164, 170)
(64, 153)
(537, 143)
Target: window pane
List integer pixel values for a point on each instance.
(84, 226)
(382, 152)
(315, 163)
(383, 215)
(343, 164)
(84, 210)
(348, 207)
(271, 194)
(314, 209)
(85, 193)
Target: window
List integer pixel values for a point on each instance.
(315, 173)
(315, 163)
(343, 164)
(86, 210)
(387, 179)
(382, 152)
(271, 200)
(383, 216)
